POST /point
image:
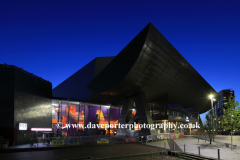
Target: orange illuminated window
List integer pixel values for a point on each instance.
(134, 112)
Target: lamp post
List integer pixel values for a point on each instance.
(211, 97)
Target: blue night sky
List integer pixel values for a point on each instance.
(54, 38)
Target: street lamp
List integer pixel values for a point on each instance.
(211, 97)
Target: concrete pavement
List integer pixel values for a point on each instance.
(191, 146)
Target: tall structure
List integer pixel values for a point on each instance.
(148, 82)
(145, 77)
(25, 103)
(222, 102)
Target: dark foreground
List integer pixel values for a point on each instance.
(78, 152)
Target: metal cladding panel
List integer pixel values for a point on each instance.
(149, 64)
(101, 63)
(119, 67)
(32, 104)
(25, 98)
(75, 87)
(7, 103)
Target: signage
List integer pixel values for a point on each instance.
(22, 126)
(73, 142)
(161, 136)
(58, 142)
(176, 135)
(130, 139)
(181, 135)
(149, 137)
(172, 136)
(102, 140)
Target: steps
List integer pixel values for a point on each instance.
(189, 156)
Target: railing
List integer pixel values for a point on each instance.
(40, 142)
(75, 141)
(89, 141)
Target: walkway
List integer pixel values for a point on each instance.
(191, 146)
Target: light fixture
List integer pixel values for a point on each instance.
(22, 126)
(41, 129)
(107, 106)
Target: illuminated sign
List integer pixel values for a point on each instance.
(22, 126)
(41, 129)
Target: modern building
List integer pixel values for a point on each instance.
(25, 103)
(148, 82)
(222, 101)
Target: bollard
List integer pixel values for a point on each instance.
(162, 154)
(165, 145)
(171, 154)
(205, 139)
(198, 140)
(184, 148)
(218, 153)
(173, 146)
(199, 150)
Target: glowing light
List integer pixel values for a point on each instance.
(41, 129)
(107, 106)
(211, 96)
(22, 126)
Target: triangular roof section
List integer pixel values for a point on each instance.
(149, 64)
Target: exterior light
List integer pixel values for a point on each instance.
(211, 97)
(41, 129)
(22, 126)
(107, 106)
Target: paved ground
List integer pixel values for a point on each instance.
(151, 158)
(227, 139)
(27, 146)
(191, 146)
(78, 152)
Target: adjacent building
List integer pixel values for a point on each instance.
(222, 101)
(25, 103)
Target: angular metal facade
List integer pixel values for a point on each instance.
(150, 65)
(75, 87)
